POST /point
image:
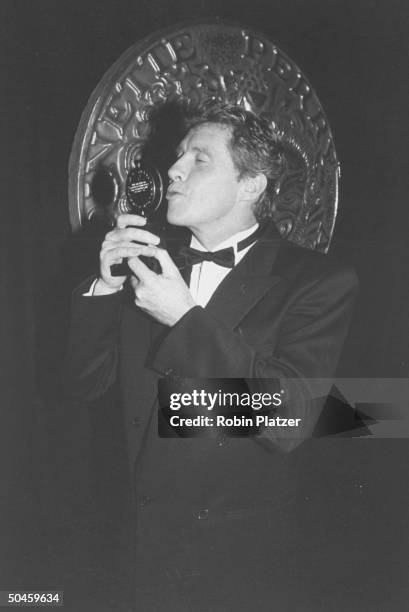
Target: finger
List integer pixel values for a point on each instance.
(127, 219)
(161, 255)
(147, 250)
(135, 282)
(111, 245)
(140, 235)
(131, 234)
(119, 253)
(141, 271)
(112, 236)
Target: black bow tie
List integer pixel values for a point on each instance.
(224, 257)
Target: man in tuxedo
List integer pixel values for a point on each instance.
(216, 517)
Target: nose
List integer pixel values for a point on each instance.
(177, 171)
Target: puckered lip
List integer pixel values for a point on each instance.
(171, 192)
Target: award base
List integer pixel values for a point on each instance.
(122, 269)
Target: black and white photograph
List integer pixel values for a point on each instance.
(205, 305)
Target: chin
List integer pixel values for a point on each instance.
(175, 217)
(176, 223)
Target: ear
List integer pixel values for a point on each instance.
(253, 187)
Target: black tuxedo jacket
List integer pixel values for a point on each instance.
(211, 508)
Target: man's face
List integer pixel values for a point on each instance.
(205, 186)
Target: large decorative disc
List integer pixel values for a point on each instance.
(196, 62)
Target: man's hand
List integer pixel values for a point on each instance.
(166, 297)
(119, 243)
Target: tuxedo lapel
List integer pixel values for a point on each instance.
(248, 282)
(245, 284)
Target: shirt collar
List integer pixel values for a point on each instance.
(229, 242)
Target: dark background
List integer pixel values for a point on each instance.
(63, 489)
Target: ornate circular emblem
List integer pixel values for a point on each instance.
(143, 190)
(196, 62)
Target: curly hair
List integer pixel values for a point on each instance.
(253, 147)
